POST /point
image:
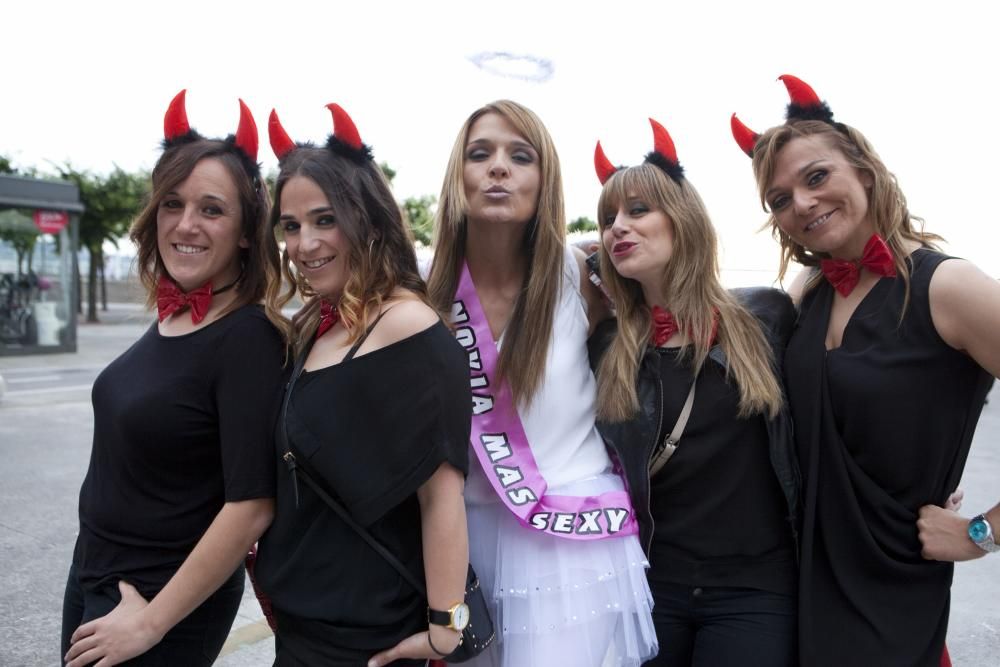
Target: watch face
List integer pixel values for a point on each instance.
(979, 530)
(460, 616)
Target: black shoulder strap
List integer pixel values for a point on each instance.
(364, 336)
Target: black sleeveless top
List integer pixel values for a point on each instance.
(883, 426)
(373, 429)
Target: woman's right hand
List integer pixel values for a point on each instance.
(418, 646)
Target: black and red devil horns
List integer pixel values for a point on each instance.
(281, 143)
(664, 155)
(246, 133)
(344, 128)
(603, 165)
(175, 122)
(345, 139)
(804, 103)
(176, 126)
(745, 138)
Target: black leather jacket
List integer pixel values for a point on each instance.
(632, 442)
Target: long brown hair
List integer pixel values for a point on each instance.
(259, 260)
(887, 207)
(691, 281)
(527, 336)
(381, 256)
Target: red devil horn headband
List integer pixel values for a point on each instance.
(663, 155)
(281, 143)
(177, 130)
(745, 138)
(175, 122)
(603, 165)
(804, 104)
(345, 139)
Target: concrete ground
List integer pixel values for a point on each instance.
(45, 439)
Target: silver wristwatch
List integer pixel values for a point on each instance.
(981, 533)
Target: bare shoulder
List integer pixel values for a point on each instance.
(964, 301)
(402, 317)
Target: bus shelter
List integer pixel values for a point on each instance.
(39, 289)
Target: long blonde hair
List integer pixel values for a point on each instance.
(887, 207)
(696, 298)
(527, 336)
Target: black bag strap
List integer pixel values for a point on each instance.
(298, 471)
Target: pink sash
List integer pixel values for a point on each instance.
(500, 444)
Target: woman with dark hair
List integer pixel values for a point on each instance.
(895, 349)
(378, 419)
(181, 479)
(691, 373)
(553, 533)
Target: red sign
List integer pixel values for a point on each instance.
(51, 222)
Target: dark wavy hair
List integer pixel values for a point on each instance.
(381, 255)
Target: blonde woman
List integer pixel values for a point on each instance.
(719, 492)
(552, 532)
(895, 349)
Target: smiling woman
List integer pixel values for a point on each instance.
(883, 317)
(181, 479)
(376, 415)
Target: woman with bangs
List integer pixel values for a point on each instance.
(895, 349)
(376, 416)
(690, 400)
(552, 532)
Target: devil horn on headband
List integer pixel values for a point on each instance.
(664, 155)
(345, 139)
(804, 103)
(175, 122)
(603, 165)
(247, 139)
(281, 143)
(344, 128)
(745, 138)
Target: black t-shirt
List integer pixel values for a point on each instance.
(182, 425)
(374, 428)
(717, 507)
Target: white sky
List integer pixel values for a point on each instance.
(89, 82)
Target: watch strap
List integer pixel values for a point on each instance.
(438, 617)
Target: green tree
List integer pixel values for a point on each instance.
(5, 165)
(582, 224)
(387, 171)
(418, 214)
(17, 229)
(111, 202)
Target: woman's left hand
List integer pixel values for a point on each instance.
(116, 637)
(944, 535)
(418, 647)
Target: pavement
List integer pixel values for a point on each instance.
(45, 439)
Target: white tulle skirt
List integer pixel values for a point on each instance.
(561, 602)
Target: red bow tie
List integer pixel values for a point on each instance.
(664, 325)
(844, 274)
(170, 299)
(328, 316)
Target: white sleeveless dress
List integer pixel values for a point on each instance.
(558, 601)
